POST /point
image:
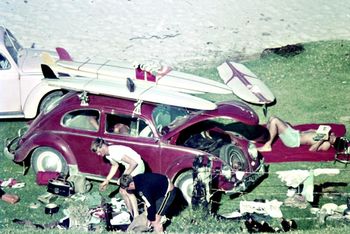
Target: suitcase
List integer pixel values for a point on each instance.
(43, 177)
(61, 187)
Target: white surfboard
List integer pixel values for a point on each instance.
(161, 76)
(245, 83)
(118, 88)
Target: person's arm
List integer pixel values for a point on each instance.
(322, 145)
(93, 122)
(112, 171)
(132, 164)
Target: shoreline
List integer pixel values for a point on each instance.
(181, 34)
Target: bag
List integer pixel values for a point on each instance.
(80, 183)
(43, 177)
(60, 186)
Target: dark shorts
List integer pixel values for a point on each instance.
(163, 204)
(2, 192)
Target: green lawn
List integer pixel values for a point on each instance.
(310, 87)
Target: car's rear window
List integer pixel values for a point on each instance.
(83, 119)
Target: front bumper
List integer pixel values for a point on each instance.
(249, 181)
(12, 144)
(10, 147)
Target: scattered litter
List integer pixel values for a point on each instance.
(297, 201)
(34, 205)
(11, 183)
(271, 208)
(121, 219)
(47, 198)
(295, 178)
(232, 215)
(18, 185)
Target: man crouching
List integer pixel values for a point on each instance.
(156, 191)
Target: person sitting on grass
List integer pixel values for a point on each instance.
(293, 138)
(9, 198)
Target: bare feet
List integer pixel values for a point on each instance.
(264, 148)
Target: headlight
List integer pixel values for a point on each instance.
(226, 171)
(252, 150)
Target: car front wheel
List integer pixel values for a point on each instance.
(48, 159)
(234, 157)
(185, 183)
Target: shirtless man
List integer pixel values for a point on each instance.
(293, 138)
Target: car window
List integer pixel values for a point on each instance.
(53, 104)
(127, 125)
(4, 63)
(12, 45)
(164, 116)
(85, 119)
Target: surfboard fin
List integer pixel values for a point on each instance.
(130, 84)
(47, 72)
(265, 109)
(63, 54)
(46, 58)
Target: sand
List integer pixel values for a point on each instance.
(180, 33)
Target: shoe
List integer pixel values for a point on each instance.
(47, 198)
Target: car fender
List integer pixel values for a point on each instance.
(180, 165)
(34, 98)
(48, 139)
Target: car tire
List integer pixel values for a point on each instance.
(46, 101)
(48, 159)
(234, 157)
(185, 183)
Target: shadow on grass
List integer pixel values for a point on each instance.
(329, 188)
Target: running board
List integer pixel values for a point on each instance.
(73, 170)
(15, 115)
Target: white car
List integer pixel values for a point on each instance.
(22, 92)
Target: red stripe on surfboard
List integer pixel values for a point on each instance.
(240, 76)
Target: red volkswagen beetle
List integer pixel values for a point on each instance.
(168, 138)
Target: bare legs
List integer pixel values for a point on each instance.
(130, 201)
(275, 126)
(157, 225)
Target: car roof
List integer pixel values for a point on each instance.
(107, 102)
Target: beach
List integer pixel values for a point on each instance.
(185, 34)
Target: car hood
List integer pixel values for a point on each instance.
(29, 60)
(235, 110)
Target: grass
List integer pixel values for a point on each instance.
(310, 87)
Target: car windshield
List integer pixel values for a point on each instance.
(168, 116)
(12, 45)
(53, 104)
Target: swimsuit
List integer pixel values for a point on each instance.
(290, 137)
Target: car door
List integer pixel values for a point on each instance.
(10, 99)
(81, 127)
(140, 137)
